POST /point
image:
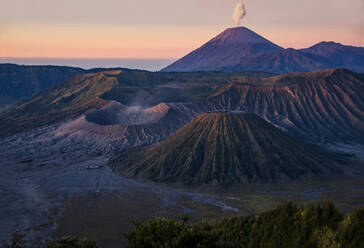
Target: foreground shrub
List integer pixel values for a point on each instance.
(286, 226)
(351, 234)
(72, 242)
(168, 233)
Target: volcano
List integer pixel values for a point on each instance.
(241, 49)
(229, 48)
(227, 148)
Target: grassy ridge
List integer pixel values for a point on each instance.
(318, 225)
(70, 100)
(313, 226)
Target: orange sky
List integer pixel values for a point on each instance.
(97, 41)
(165, 29)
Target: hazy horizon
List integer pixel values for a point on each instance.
(150, 64)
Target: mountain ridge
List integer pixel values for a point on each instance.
(322, 104)
(318, 107)
(241, 49)
(227, 148)
(19, 82)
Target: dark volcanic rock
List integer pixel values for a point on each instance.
(321, 106)
(226, 148)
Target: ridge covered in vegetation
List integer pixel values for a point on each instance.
(286, 226)
(20, 82)
(318, 225)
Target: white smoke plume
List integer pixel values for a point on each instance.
(239, 13)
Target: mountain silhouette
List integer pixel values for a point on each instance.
(241, 49)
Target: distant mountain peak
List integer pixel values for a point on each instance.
(241, 49)
(339, 55)
(240, 35)
(329, 43)
(325, 45)
(225, 50)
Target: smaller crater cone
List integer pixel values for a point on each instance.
(227, 148)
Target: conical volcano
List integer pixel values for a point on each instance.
(241, 49)
(226, 148)
(225, 50)
(240, 35)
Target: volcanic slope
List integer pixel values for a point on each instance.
(19, 82)
(228, 49)
(64, 102)
(288, 60)
(321, 106)
(92, 91)
(339, 55)
(225, 148)
(241, 49)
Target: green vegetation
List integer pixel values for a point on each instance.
(64, 242)
(71, 242)
(316, 225)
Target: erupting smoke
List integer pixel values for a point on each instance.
(239, 13)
